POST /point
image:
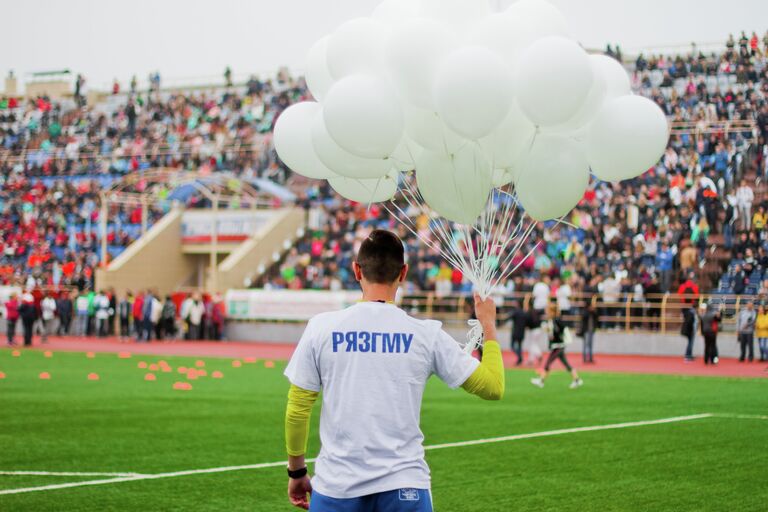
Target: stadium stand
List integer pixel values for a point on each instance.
(682, 215)
(700, 209)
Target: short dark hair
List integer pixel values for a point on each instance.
(381, 257)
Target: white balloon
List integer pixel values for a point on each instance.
(357, 46)
(365, 191)
(627, 137)
(616, 77)
(503, 177)
(363, 115)
(343, 162)
(554, 177)
(405, 156)
(394, 12)
(473, 91)
(455, 186)
(458, 13)
(538, 18)
(508, 33)
(555, 77)
(414, 50)
(610, 81)
(318, 77)
(501, 33)
(293, 140)
(589, 107)
(428, 130)
(506, 143)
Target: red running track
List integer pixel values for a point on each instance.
(279, 351)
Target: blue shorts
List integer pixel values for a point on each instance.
(399, 500)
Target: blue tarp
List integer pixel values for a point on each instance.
(184, 192)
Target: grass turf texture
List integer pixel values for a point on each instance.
(122, 423)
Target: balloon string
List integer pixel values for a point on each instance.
(373, 194)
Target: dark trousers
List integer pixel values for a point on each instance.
(101, 327)
(557, 353)
(138, 327)
(166, 328)
(728, 234)
(11, 331)
(29, 327)
(654, 316)
(747, 342)
(587, 354)
(125, 327)
(517, 348)
(148, 328)
(689, 346)
(64, 323)
(710, 347)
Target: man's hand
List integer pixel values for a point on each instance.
(485, 311)
(299, 490)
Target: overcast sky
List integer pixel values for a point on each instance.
(104, 39)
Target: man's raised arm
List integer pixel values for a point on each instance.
(487, 381)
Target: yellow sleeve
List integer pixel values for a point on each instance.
(487, 381)
(297, 414)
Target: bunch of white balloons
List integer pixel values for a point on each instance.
(471, 100)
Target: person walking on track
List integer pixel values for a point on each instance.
(557, 332)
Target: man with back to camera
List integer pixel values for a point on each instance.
(372, 361)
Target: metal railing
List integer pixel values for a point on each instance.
(256, 144)
(701, 128)
(661, 313)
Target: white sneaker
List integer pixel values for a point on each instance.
(536, 381)
(576, 384)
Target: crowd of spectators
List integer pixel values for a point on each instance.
(638, 237)
(56, 157)
(641, 237)
(219, 129)
(143, 317)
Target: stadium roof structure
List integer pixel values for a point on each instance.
(171, 185)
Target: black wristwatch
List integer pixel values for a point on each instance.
(299, 473)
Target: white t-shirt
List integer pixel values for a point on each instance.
(196, 312)
(372, 362)
(157, 310)
(540, 295)
(82, 305)
(564, 297)
(101, 303)
(48, 308)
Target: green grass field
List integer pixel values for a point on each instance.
(124, 424)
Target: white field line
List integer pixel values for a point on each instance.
(548, 433)
(66, 473)
(431, 447)
(743, 416)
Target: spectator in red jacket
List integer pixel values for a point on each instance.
(689, 291)
(138, 313)
(11, 317)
